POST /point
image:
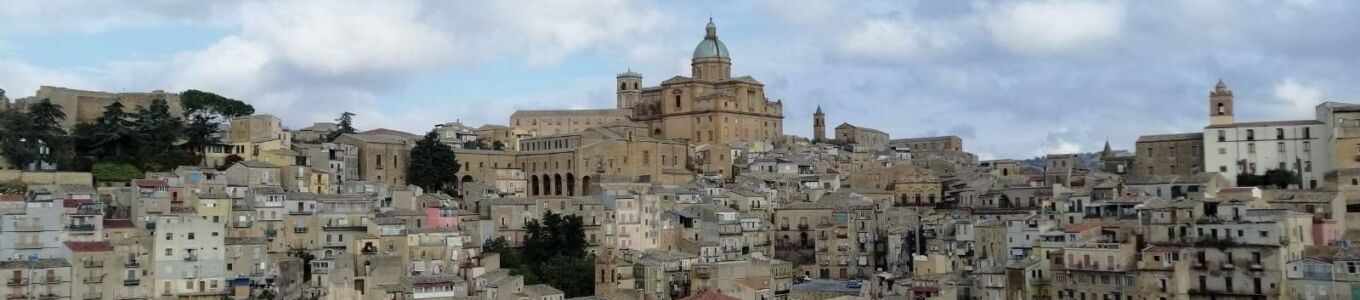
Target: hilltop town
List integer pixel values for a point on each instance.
(686, 189)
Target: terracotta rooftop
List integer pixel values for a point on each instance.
(754, 283)
(100, 246)
(12, 198)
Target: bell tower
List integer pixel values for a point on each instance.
(630, 89)
(818, 125)
(1220, 105)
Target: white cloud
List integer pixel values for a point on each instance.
(22, 79)
(342, 37)
(1056, 27)
(1298, 99)
(897, 41)
(1061, 147)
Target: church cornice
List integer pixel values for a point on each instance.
(707, 111)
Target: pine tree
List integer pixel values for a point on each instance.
(433, 166)
(345, 124)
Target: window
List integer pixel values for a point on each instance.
(1221, 110)
(1251, 148)
(1251, 135)
(379, 162)
(191, 236)
(1265, 234)
(1222, 135)
(677, 101)
(1279, 133)
(169, 251)
(1307, 146)
(169, 236)
(1223, 169)
(1307, 133)
(1280, 146)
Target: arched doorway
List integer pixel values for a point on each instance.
(571, 185)
(467, 178)
(557, 184)
(533, 185)
(585, 185)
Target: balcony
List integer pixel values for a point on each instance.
(52, 280)
(784, 226)
(345, 228)
(28, 227)
(93, 264)
(299, 229)
(242, 224)
(271, 232)
(132, 264)
(49, 296)
(803, 227)
(190, 257)
(93, 279)
(132, 282)
(28, 245)
(150, 226)
(80, 227)
(1227, 266)
(1256, 267)
(17, 281)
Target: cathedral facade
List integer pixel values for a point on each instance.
(708, 110)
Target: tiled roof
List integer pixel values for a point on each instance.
(1347, 253)
(100, 246)
(1267, 123)
(385, 131)
(74, 203)
(12, 198)
(1171, 137)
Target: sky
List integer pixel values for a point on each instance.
(1015, 79)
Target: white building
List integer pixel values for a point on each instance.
(1231, 148)
(189, 256)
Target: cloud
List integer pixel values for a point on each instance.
(1056, 27)
(1298, 99)
(896, 41)
(20, 78)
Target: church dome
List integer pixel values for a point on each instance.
(711, 47)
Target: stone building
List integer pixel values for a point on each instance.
(908, 184)
(382, 158)
(565, 165)
(818, 125)
(869, 138)
(709, 108)
(85, 106)
(930, 144)
(555, 122)
(1169, 154)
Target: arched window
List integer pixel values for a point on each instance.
(677, 101)
(623, 86)
(1220, 109)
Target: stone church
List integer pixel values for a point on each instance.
(709, 110)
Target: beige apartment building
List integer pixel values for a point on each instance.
(382, 158)
(1169, 154)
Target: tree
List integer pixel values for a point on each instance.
(1278, 178)
(197, 102)
(15, 143)
(110, 138)
(157, 131)
(47, 128)
(230, 160)
(497, 145)
(205, 112)
(114, 172)
(554, 253)
(433, 165)
(345, 124)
